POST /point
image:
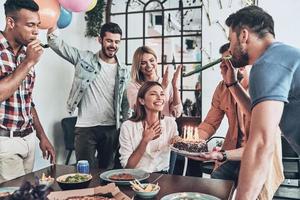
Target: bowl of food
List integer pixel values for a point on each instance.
(46, 180)
(74, 181)
(145, 190)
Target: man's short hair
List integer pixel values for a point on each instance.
(110, 27)
(253, 17)
(12, 6)
(224, 48)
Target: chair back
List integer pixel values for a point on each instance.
(291, 161)
(68, 126)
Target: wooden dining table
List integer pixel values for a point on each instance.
(168, 183)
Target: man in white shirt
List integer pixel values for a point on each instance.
(98, 91)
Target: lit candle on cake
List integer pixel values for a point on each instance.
(190, 134)
(196, 135)
(184, 132)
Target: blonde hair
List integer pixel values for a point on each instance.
(136, 74)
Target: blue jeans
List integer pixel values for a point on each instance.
(227, 171)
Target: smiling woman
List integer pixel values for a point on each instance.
(145, 138)
(144, 68)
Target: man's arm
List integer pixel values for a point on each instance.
(45, 145)
(10, 83)
(240, 95)
(259, 149)
(234, 154)
(242, 98)
(64, 50)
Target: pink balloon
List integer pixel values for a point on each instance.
(75, 5)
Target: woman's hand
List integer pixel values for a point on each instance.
(176, 76)
(151, 132)
(165, 79)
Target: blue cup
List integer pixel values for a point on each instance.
(83, 167)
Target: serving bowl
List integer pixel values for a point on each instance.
(148, 191)
(74, 181)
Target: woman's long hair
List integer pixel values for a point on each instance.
(139, 109)
(136, 74)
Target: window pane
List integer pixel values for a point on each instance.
(132, 46)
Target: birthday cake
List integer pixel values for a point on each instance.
(190, 146)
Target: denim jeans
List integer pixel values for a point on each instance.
(227, 171)
(103, 139)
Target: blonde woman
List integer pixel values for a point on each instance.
(145, 137)
(144, 68)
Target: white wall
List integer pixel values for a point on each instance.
(54, 75)
(213, 38)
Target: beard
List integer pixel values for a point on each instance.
(240, 76)
(240, 57)
(107, 53)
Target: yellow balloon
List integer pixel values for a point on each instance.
(92, 5)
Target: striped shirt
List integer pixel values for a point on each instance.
(15, 112)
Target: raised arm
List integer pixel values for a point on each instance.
(240, 95)
(60, 47)
(9, 84)
(176, 107)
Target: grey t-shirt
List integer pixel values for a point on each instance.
(276, 76)
(97, 107)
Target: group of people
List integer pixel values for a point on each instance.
(133, 110)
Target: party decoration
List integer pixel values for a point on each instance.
(49, 12)
(75, 5)
(92, 5)
(65, 18)
(94, 19)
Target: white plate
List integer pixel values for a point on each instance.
(136, 173)
(10, 190)
(186, 153)
(189, 196)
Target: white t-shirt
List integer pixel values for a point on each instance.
(97, 107)
(157, 155)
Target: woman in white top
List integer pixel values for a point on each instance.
(145, 137)
(144, 68)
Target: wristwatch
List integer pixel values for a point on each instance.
(224, 156)
(231, 84)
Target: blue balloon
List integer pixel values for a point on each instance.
(65, 18)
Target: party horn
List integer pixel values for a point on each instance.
(209, 65)
(44, 45)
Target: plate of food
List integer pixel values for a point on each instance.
(189, 196)
(6, 191)
(124, 176)
(74, 181)
(189, 148)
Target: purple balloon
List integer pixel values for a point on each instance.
(75, 5)
(65, 18)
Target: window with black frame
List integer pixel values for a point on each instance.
(173, 29)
